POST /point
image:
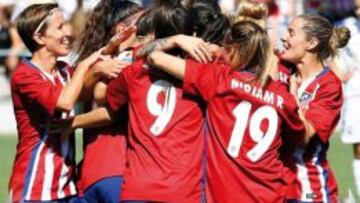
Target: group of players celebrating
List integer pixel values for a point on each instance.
(183, 103)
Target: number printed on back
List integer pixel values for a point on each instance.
(164, 111)
(252, 121)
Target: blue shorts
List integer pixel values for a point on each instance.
(106, 190)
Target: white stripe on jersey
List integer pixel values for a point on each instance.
(322, 182)
(302, 175)
(62, 181)
(304, 181)
(321, 173)
(72, 188)
(48, 176)
(34, 169)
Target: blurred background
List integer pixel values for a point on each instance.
(280, 14)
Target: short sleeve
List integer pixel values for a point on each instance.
(34, 88)
(117, 91)
(324, 111)
(201, 79)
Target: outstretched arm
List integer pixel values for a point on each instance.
(171, 64)
(105, 69)
(195, 47)
(71, 91)
(155, 52)
(97, 118)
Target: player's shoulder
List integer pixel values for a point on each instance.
(329, 78)
(23, 71)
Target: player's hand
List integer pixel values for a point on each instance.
(90, 60)
(117, 39)
(272, 67)
(216, 52)
(62, 127)
(196, 47)
(109, 68)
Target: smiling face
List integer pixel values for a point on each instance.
(56, 37)
(295, 42)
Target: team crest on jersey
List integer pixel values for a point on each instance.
(307, 97)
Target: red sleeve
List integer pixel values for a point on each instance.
(324, 110)
(201, 79)
(117, 91)
(35, 89)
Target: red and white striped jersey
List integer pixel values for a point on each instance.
(321, 100)
(244, 123)
(44, 164)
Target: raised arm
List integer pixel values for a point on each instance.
(97, 118)
(195, 47)
(104, 69)
(156, 55)
(70, 93)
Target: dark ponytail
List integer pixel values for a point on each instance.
(170, 18)
(208, 22)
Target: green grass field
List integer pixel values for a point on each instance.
(340, 156)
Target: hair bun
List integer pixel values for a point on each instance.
(252, 10)
(340, 37)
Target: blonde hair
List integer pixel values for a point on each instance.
(252, 11)
(253, 46)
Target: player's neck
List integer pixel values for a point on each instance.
(44, 60)
(309, 68)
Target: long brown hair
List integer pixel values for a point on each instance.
(101, 24)
(253, 46)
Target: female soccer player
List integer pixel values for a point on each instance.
(166, 126)
(246, 113)
(104, 156)
(311, 40)
(42, 90)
